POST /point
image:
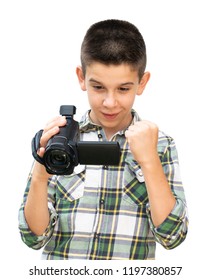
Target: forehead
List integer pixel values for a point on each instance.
(106, 73)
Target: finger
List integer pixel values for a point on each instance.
(131, 127)
(52, 128)
(129, 134)
(57, 121)
(41, 151)
(146, 124)
(47, 135)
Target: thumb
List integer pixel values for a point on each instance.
(41, 151)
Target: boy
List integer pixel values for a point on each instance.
(109, 212)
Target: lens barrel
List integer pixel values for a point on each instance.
(60, 160)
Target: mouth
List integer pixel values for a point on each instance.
(110, 116)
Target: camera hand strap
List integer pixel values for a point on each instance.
(35, 145)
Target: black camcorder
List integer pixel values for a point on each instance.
(64, 150)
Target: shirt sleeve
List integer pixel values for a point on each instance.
(29, 238)
(173, 230)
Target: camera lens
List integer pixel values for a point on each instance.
(58, 157)
(58, 161)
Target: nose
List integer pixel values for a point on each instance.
(110, 100)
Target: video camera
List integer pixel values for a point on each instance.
(64, 150)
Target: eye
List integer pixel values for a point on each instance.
(124, 89)
(98, 87)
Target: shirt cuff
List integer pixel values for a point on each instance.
(29, 238)
(172, 231)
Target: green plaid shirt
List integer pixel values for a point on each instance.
(103, 212)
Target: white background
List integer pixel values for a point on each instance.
(39, 51)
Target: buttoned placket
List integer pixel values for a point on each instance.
(94, 180)
(100, 205)
(94, 246)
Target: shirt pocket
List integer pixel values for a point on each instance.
(71, 187)
(134, 189)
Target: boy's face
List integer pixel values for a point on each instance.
(111, 93)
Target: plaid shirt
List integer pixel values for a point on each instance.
(103, 212)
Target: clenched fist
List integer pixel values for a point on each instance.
(142, 137)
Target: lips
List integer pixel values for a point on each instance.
(110, 116)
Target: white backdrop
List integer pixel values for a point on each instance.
(39, 51)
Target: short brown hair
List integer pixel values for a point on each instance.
(114, 42)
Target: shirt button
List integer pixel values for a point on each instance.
(105, 167)
(96, 235)
(141, 173)
(100, 135)
(102, 201)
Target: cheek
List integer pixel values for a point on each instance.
(94, 100)
(127, 101)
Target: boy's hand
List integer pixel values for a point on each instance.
(51, 128)
(143, 138)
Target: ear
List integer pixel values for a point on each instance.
(142, 84)
(81, 78)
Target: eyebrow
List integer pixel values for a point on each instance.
(123, 84)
